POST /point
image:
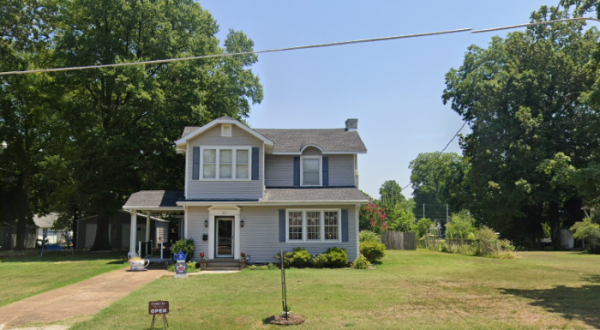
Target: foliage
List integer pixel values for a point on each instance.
(373, 251)
(461, 224)
(319, 260)
(401, 217)
(594, 242)
(391, 194)
(336, 257)
(439, 178)
(301, 258)
(288, 259)
(377, 217)
(81, 142)
(262, 267)
(368, 236)
(192, 267)
(422, 227)
(361, 263)
(583, 229)
(186, 246)
(528, 99)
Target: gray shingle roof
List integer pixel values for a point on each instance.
(293, 140)
(314, 194)
(154, 198)
(330, 140)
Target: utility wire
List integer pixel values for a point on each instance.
(447, 144)
(341, 43)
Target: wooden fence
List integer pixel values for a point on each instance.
(396, 240)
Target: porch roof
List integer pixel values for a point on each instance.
(155, 200)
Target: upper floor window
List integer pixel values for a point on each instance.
(225, 163)
(311, 171)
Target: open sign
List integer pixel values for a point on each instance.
(158, 307)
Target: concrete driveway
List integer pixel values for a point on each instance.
(80, 299)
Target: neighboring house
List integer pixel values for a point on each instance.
(45, 223)
(119, 230)
(8, 235)
(260, 191)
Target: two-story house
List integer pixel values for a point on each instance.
(260, 191)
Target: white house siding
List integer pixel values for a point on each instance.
(280, 170)
(196, 216)
(260, 236)
(199, 189)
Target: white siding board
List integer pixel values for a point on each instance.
(260, 236)
(195, 218)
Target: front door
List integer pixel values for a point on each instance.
(224, 236)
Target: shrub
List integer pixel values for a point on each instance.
(319, 261)
(368, 236)
(300, 258)
(288, 258)
(272, 266)
(186, 246)
(372, 251)
(460, 226)
(487, 239)
(422, 227)
(337, 257)
(594, 241)
(361, 263)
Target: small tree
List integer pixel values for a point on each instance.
(422, 227)
(377, 217)
(583, 229)
(461, 225)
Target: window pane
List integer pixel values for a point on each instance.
(313, 225)
(295, 225)
(241, 157)
(209, 156)
(310, 175)
(209, 171)
(225, 157)
(225, 172)
(331, 225)
(241, 171)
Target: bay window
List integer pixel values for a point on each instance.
(225, 163)
(313, 225)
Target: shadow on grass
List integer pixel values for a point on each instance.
(62, 256)
(572, 303)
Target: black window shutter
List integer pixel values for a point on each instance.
(344, 225)
(255, 162)
(325, 171)
(196, 167)
(282, 225)
(296, 171)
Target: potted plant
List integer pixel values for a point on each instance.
(202, 261)
(243, 260)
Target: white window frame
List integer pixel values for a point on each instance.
(233, 162)
(304, 229)
(302, 158)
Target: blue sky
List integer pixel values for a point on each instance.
(394, 88)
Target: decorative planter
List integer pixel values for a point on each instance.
(242, 264)
(203, 264)
(138, 264)
(286, 314)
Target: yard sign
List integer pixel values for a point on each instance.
(159, 308)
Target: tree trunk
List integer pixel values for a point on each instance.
(554, 225)
(101, 242)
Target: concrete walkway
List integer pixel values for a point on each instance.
(80, 299)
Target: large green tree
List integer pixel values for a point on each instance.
(391, 194)
(117, 125)
(440, 179)
(523, 99)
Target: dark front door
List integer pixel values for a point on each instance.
(224, 239)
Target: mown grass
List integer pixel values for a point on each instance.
(23, 276)
(410, 290)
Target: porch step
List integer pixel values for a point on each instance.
(223, 264)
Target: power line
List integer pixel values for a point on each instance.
(341, 43)
(447, 144)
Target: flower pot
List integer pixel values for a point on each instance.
(242, 263)
(138, 264)
(203, 264)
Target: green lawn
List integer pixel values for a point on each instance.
(411, 290)
(22, 277)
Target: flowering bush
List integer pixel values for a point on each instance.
(202, 255)
(243, 254)
(377, 217)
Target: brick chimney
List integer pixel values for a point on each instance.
(351, 124)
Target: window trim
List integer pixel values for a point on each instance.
(302, 158)
(234, 150)
(304, 225)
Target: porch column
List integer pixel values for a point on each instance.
(148, 226)
(132, 232)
